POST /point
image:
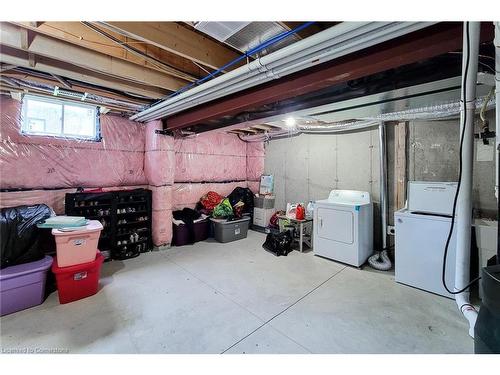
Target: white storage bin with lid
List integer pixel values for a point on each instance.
(77, 245)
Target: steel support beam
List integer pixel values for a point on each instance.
(418, 46)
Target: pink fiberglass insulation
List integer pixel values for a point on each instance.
(162, 197)
(211, 143)
(157, 142)
(162, 227)
(52, 198)
(255, 149)
(255, 160)
(188, 194)
(159, 158)
(36, 162)
(254, 186)
(255, 168)
(159, 167)
(210, 157)
(209, 167)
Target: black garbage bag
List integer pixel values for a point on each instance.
(19, 235)
(279, 244)
(188, 216)
(244, 195)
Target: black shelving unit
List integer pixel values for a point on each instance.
(125, 216)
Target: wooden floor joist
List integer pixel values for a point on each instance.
(41, 45)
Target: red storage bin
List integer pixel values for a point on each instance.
(79, 281)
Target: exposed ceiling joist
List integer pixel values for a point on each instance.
(62, 81)
(408, 49)
(39, 78)
(9, 81)
(42, 45)
(177, 39)
(50, 66)
(118, 46)
(40, 92)
(6, 67)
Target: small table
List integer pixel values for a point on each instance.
(306, 223)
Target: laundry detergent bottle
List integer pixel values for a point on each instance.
(300, 213)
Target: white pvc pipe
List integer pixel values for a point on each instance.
(497, 97)
(464, 202)
(334, 42)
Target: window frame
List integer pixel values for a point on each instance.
(62, 102)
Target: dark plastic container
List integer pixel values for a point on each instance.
(78, 281)
(487, 328)
(230, 230)
(23, 286)
(180, 235)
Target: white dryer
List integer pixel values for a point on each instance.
(343, 227)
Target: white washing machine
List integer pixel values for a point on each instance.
(343, 227)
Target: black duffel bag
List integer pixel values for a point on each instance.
(279, 243)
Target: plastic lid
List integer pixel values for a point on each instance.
(26, 268)
(78, 267)
(92, 226)
(245, 218)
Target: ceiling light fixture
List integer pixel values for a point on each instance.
(290, 122)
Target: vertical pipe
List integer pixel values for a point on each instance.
(383, 182)
(497, 116)
(464, 201)
(497, 97)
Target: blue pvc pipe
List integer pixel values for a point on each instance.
(248, 53)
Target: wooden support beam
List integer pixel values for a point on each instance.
(42, 45)
(400, 181)
(31, 59)
(43, 93)
(79, 34)
(9, 81)
(50, 66)
(6, 67)
(177, 39)
(62, 81)
(75, 87)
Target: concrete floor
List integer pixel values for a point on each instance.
(238, 298)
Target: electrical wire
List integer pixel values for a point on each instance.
(455, 199)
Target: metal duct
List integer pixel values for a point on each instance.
(337, 41)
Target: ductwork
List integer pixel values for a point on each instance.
(335, 42)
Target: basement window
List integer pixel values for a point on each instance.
(60, 118)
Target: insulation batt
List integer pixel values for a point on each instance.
(210, 157)
(255, 163)
(37, 162)
(130, 155)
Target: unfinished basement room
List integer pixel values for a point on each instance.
(249, 186)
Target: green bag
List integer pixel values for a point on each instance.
(223, 209)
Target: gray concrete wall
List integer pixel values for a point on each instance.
(307, 167)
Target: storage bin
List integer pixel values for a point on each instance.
(263, 201)
(227, 231)
(181, 234)
(79, 281)
(77, 246)
(262, 216)
(23, 286)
